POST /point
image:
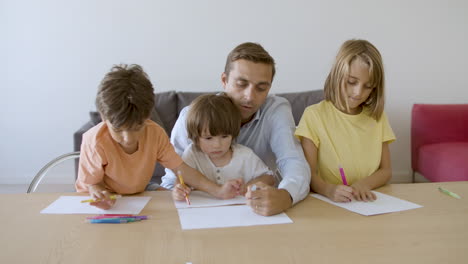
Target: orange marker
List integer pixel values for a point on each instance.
(112, 197)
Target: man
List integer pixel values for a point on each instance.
(267, 128)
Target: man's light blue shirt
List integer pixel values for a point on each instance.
(270, 134)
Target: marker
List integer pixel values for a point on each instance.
(107, 221)
(128, 219)
(343, 176)
(116, 215)
(112, 197)
(179, 174)
(449, 193)
(141, 217)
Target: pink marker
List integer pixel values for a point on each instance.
(141, 217)
(117, 215)
(343, 176)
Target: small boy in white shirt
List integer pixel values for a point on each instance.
(213, 123)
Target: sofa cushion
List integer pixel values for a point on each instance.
(166, 107)
(185, 98)
(444, 161)
(299, 101)
(95, 117)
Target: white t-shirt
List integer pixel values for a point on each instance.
(244, 164)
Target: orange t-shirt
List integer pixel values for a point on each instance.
(103, 160)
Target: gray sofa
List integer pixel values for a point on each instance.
(169, 104)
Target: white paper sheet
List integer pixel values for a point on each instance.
(202, 199)
(73, 205)
(226, 216)
(384, 204)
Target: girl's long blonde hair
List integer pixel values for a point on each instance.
(334, 85)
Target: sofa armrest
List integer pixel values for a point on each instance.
(437, 123)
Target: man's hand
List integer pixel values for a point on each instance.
(267, 200)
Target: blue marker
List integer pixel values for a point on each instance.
(108, 221)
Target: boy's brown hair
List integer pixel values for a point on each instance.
(125, 96)
(252, 52)
(214, 112)
(357, 49)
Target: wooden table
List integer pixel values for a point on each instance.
(321, 233)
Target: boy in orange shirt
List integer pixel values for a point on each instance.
(120, 153)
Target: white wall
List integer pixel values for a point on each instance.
(56, 52)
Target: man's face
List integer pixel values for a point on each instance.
(248, 85)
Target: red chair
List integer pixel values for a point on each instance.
(439, 142)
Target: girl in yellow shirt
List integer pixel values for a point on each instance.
(349, 129)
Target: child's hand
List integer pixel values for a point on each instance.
(98, 192)
(243, 189)
(180, 191)
(340, 193)
(362, 193)
(230, 189)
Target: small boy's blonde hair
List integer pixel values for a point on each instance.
(334, 85)
(125, 96)
(215, 113)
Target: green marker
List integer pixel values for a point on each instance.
(447, 192)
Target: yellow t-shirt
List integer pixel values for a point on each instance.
(103, 160)
(352, 141)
